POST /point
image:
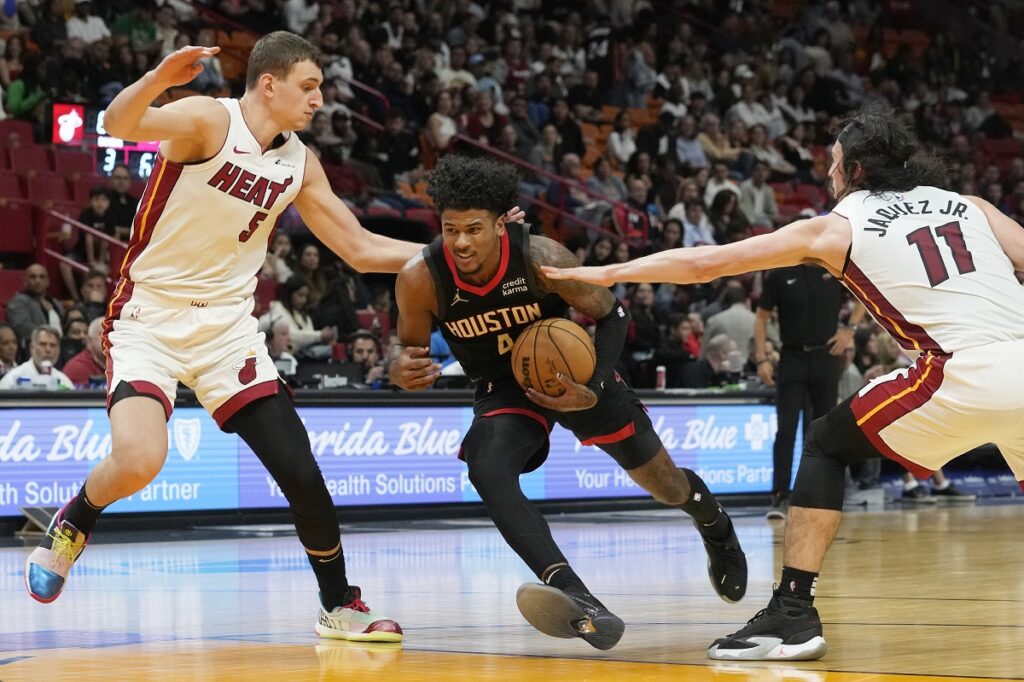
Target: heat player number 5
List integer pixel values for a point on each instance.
(254, 225)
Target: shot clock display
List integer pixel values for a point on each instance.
(81, 126)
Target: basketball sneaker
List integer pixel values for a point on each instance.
(917, 495)
(727, 565)
(355, 622)
(788, 629)
(47, 567)
(570, 613)
(952, 494)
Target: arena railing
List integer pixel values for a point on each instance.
(44, 251)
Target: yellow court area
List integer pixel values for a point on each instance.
(930, 595)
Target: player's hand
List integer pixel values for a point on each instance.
(413, 369)
(599, 275)
(182, 66)
(840, 341)
(576, 397)
(766, 373)
(515, 215)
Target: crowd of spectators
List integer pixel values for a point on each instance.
(692, 122)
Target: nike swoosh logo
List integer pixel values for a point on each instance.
(241, 151)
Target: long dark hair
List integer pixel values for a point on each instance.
(887, 151)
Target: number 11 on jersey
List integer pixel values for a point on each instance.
(931, 256)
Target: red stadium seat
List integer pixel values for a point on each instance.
(383, 326)
(266, 291)
(427, 216)
(5, 159)
(81, 187)
(382, 211)
(20, 130)
(30, 158)
(16, 231)
(11, 186)
(48, 187)
(69, 162)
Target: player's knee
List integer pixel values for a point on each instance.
(820, 480)
(138, 462)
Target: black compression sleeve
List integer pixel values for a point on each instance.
(609, 338)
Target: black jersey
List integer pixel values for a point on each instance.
(480, 323)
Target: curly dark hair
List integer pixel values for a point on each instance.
(467, 182)
(892, 158)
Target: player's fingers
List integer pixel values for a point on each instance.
(552, 272)
(417, 351)
(540, 398)
(421, 382)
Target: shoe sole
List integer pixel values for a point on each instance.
(775, 516)
(771, 649)
(921, 500)
(554, 613)
(331, 633)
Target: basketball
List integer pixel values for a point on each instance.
(549, 347)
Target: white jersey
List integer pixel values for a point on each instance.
(201, 230)
(927, 265)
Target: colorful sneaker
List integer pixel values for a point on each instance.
(568, 614)
(917, 495)
(47, 567)
(355, 622)
(779, 507)
(952, 494)
(727, 565)
(788, 630)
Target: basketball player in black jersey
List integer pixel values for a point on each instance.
(481, 283)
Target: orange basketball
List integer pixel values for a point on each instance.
(549, 347)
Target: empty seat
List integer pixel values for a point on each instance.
(11, 186)
(16, 231)
(67, 162)
(20, 130)
(30, 158)
(48, 187)
(81, 187)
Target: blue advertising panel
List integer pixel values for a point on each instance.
(368, 455)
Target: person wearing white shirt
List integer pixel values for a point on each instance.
(299, 14)
(86, 26)
(757, 198)
(622, 141)
(718, 181)
(697, 230)
(39, 370)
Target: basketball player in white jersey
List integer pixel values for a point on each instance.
(936, 269)
(182, 310)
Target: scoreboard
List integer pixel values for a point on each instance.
(81, 126)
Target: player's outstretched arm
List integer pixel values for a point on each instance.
(410, 365)
(815, 240)
(333, 223)
(130, 116)
(591, 300)
(1008, 232)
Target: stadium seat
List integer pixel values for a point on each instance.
(16, 231)
(427, 216)
(11, 186)
(31, 158)
(366, 321)
(68, 162)
(47, 187)
(13, 128)
(80, 187)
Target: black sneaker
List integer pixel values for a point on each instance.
(788, 630)
(779, 507)
(569, 614)
(917, 495)
(727, 565)
(952, 494)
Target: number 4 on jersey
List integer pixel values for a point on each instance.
(926, 245)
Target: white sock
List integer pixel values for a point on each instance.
(910, 485)
(945, 485)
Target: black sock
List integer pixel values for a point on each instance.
(330, 576)
(797, 583)
(712, 522)
(81, 513)
(562, 576)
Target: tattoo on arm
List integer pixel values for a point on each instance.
(589, 299)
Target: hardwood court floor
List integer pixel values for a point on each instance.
(936, 592)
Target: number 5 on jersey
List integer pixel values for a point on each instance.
(254, 225)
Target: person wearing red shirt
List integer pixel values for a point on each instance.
(90, 362)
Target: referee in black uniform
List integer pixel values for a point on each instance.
(808, 299)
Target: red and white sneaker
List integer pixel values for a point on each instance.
(47, 567)
(355, 622)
